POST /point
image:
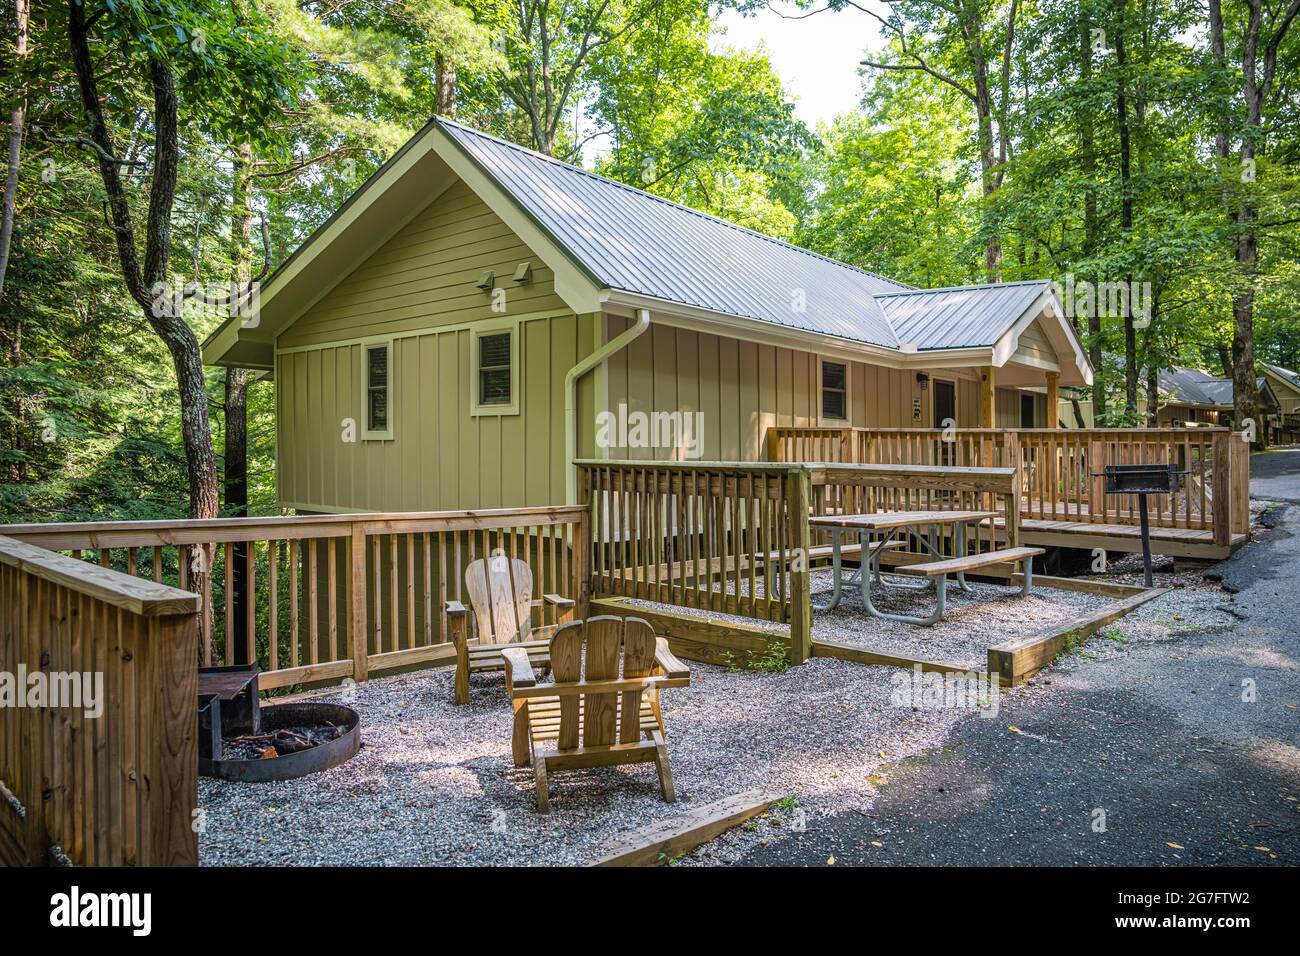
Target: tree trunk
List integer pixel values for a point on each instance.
(446, 83)
(1091, 223)
(23, 12)
(235, 406)
(1126, 213)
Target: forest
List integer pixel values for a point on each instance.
(164, 156)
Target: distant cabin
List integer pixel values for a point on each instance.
(476, 315)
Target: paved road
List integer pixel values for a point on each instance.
(1276, 475)
(1158, 738)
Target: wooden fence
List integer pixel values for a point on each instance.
(714, 536)
(109, 778)
(1059, 467)
(332, 596)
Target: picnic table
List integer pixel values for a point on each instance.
(923, 527)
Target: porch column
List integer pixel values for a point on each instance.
(988, 386)
(1053, 400)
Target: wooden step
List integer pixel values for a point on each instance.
(969, 563)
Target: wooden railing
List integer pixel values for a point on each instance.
(331, 596)
(108, 778)
(860, 489)
(716, 536)
(1059, 468)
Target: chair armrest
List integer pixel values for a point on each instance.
(672, 667)
(456, 622)
(519, 672)
(563, 607)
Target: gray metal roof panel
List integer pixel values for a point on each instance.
(971, 316)
(637, 242)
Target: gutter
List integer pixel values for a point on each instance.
(616, 344)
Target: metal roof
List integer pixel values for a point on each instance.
(959, 317)
(1288, 376)
(636, 242)
(1191, 386)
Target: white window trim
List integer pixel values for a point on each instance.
(512, 408)
(367, 433)
(822, 420)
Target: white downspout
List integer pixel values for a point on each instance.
(615, 344)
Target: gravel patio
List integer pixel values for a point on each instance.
(434, 784)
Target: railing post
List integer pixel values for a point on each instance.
(357, 642)
(1096, 483)
(774, 447)
(582, 569)
(799, 496)
(1011, 459)
(1240, 478)
(177, 640)
(1221, 487)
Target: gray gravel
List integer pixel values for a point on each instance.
(433, 783)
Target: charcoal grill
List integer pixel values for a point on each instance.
(1143, 480)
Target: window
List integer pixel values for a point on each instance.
(379, 391)
(495, 373)
(835, 391)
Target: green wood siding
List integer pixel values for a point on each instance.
(424, 278)
(743, 388)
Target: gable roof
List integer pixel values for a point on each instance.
(960, 316)
(1285, 374)
(634, 241)
(611, 244)
(1192, 386)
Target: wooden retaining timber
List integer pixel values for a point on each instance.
(334, 596)
(698, 638)
(658, 844)
(1018, 660)
(117, 788)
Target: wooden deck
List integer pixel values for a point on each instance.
(1062, 501)
(1087, 535)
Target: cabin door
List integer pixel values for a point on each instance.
(945, 409)
(945, 402)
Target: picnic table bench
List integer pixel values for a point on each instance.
(865, 526)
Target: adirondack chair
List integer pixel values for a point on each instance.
(500, 591)
(589, 715)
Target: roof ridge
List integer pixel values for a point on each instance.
(963, 288)
(668, 202)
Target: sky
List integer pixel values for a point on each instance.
(816, 57)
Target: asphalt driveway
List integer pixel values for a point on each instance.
(1182, 751)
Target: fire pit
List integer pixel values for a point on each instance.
(240, 740)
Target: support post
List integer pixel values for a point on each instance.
(988, 396)
(1221, 448)
(582, 571)
(1053, 400)
(357, 642)
(799, 494)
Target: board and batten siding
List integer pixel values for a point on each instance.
(441, 456)
(743, 388)
(424, 277)
(419, 289)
